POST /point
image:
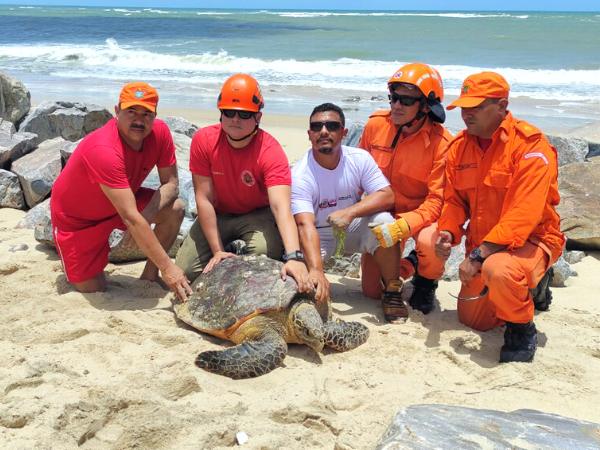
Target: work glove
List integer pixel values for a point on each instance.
(388, 234)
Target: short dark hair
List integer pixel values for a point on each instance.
(329, 107)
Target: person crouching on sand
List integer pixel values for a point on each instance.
(100, 190)
(502, 177)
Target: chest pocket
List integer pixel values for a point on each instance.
(497, 179)
(419, 173)
(383, 158)
(465, 179)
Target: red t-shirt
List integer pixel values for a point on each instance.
(102, 157)
(240, 176)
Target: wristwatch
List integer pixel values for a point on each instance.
(297, 255)
(475, 255)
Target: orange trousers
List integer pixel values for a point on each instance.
(508, 275)
(430, 266)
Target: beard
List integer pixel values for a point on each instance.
(326, 150)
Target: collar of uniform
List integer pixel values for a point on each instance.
(424, 132)
(505, 128)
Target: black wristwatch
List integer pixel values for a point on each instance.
(297, 256)
(475, 255)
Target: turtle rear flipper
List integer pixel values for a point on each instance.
(343, 336)
(247, 360)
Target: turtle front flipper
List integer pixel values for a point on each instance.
(343, 336)
(247, 360)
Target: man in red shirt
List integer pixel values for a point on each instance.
(100, 190)
(242, 184)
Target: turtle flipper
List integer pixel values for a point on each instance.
(246, 360)
(343, 336)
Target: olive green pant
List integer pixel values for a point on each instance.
(257, 228)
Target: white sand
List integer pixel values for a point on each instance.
(116, 369)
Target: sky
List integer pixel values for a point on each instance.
(381, 5)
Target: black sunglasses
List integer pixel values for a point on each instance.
(330, 125)
(405, 100)
(244, 115)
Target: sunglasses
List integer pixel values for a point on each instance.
(244, 115)
(330, 125)
(405, 100)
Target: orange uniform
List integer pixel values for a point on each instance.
(508, 194)
(415, 169)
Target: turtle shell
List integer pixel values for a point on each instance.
(235, 290)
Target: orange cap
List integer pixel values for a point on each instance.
(138, 94)
(476, 88)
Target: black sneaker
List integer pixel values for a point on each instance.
(520, 342)
(423, 295)
(542, 295)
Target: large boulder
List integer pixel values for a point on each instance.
(71, 121)
(180, 125)
(569, 149)
(579, 207)
(39, 170)
(15, 99)
(11, 194)
(13, 145)
(425, 427)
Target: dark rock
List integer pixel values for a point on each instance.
(180, 125)
(71, 121)
(11, 194)
(355, 130)
(67, 149)
(14, 145)
(579, 207)
(39, 170)
(379, 98)
(569, 149)
(15, 99)
(424, 427)
(594, 149)
(35, 216)
(346, 266)
(352, 99)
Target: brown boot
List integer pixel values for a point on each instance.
(394, 308)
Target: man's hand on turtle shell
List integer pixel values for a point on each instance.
(178, 282)
(297, 270)
(216, 259)
(321, 284)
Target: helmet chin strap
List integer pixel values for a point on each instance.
(245, 137)
(409, 124)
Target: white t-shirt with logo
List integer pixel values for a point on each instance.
(322, 191)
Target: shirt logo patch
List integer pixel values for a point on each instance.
(536, 155)
(327, 203)
(248, 179)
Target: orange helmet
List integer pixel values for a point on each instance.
(429, 82)
(241, 92)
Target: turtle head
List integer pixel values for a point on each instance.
(307, 325)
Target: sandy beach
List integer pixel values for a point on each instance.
(116, 369)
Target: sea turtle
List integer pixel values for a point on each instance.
(244, 300)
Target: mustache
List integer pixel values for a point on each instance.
(141, 127)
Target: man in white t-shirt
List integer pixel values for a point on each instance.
(327, 184)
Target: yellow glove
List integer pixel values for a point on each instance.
(389, 234)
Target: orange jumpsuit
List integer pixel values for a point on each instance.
(509, 196)
(415, 169)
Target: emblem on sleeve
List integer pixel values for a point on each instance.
(536, 155)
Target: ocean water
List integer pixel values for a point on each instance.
(303, 58)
